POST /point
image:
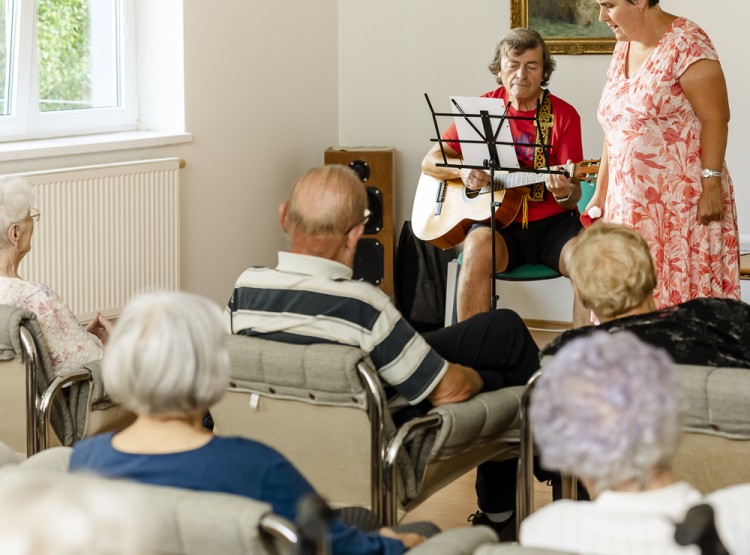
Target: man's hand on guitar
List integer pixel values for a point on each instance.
(566, 191)
(474, 179)
(558, 184)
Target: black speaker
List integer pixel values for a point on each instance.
(368, 261)
(373, 260)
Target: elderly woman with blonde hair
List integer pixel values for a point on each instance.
(614, 274)
(608, 409)
(69, 343)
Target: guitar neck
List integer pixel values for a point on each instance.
(511, 180)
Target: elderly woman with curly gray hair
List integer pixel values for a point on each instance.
(608, 409)
(69, 343)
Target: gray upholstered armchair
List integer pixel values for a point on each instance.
(198, 523)
(30, 393)
(323, 407)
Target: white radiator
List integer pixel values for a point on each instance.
(106, 233)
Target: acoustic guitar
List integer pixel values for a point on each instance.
(444, 211)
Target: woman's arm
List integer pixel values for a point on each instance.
(706, 89)
(602, 181)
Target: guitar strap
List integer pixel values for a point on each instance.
(538, 190)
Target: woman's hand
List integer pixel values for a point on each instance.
(597, 199)
(711, 203)
(100, 327)
(409, 540)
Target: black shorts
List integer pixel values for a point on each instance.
(539, 243)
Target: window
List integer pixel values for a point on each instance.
(67, 68)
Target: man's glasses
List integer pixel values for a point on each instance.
(362, 221)
(33, 214)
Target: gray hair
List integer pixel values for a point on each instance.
(47, 513)
(521, 39)
(326, 200)
(167, 355)
(608, 409)
(16, 197)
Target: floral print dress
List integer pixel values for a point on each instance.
(68, 342)
(654, 153)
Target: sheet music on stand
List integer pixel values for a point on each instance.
(467, 110)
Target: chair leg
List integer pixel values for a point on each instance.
(569, 489)
(525, 482)
(451, 288)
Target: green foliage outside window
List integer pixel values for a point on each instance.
(64, 54)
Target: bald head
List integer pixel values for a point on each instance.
(325, 201)
(324, 213)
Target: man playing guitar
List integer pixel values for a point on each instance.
(547, 222)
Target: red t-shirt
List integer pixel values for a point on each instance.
(565, 144)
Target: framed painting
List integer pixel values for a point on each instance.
(568, 26)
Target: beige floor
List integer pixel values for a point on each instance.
(451, 506)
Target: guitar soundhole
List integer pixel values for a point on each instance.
(471, 193)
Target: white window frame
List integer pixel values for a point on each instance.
(27, 122)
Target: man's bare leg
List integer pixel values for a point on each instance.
(474, 285)
(581, 315)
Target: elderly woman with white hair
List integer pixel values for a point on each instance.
(68, 342)
(168, 363)
(608, 410)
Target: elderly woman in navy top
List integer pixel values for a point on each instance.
(167, 362)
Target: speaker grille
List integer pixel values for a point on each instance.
(375, 205)
(368, 261)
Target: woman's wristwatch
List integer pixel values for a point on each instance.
(706, 173)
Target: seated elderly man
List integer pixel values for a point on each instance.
(612, 270)
(616, 427)
(310, 297)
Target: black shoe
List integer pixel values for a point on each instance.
(505, 530)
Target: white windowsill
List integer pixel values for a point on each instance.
(85, 144)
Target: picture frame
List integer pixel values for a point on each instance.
(568, 26)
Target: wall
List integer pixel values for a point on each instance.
(392, 52)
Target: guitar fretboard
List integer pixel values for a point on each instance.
(511, 180)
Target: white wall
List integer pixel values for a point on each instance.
(442, 48)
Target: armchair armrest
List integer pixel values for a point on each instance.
(45, 403)
(459, 541)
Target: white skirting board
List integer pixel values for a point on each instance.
(550, 299)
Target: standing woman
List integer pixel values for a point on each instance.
(665, 116)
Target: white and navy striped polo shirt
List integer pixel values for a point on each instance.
(308, 299)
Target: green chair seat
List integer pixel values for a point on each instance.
(535, 272)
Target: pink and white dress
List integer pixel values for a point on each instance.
(654, 151)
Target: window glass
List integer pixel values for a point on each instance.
(5, 52)
(78, 58)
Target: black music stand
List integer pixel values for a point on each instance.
(489, 138)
